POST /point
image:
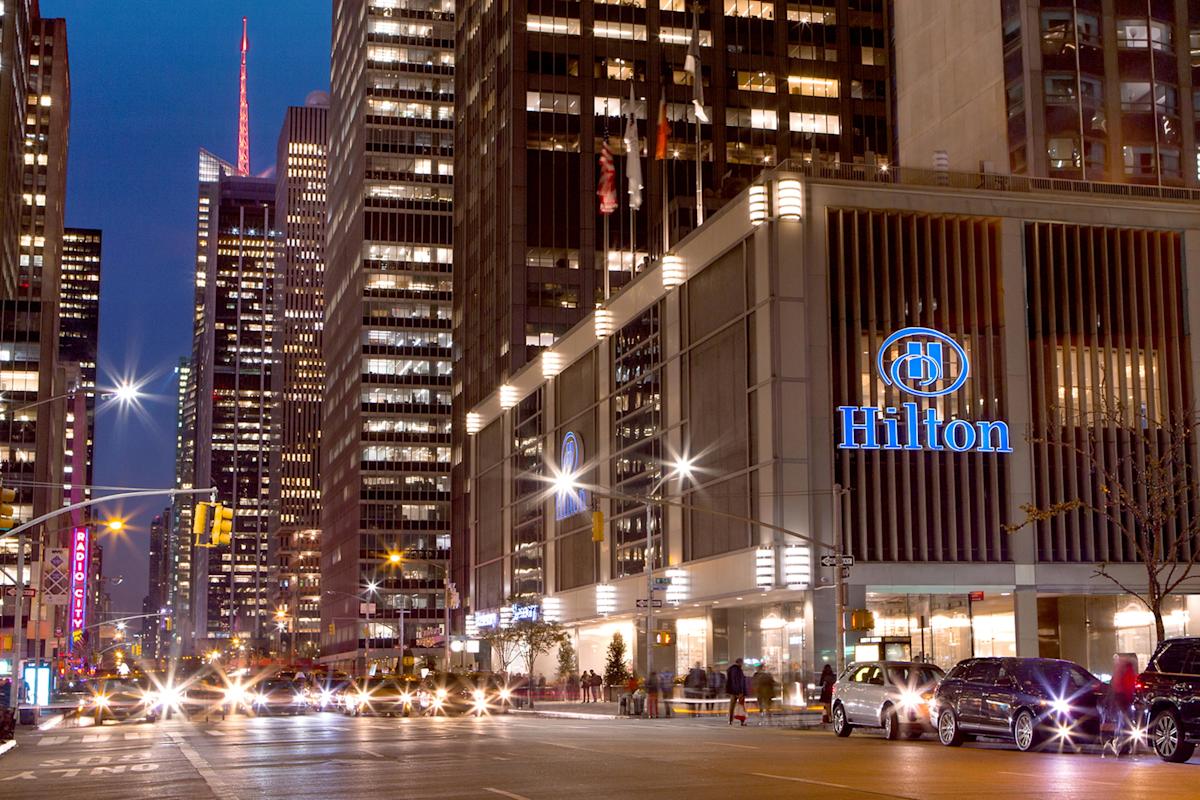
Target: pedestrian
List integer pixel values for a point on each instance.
(652, 689)
(827, 680)
(666, 687)
(1118, 705)
(541, 686)
(695, 682)
(594, 682)
(764, 693)
(715, 682)
(573, 687)
(735, 686)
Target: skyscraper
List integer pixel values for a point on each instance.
(79, 332)
(15, 38)
(299, 371)
(154, 631)
(544, 88)
(386, 415)
(179, 590)
(1090, 90)
(231, 587)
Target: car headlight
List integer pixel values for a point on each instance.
(326, 698)
(235, 695)
(911, 699)
(150, 698)
(441, 694)
(1060, 707)
(406, 697)
(260, 699)
(479, 695)
(100, 700)
(505, 694)
(300, 697)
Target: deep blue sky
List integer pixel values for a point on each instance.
(151, 82)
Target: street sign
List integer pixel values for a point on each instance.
(645, 604)
(831, 560)
(661, 582)
(11, 591)
(366, 608)
(975, 597)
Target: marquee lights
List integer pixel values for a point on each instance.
(474, 422)
(764, 567)
(797, 567)
(80, 549)
(604, 323)
(788, 198)
(552, 364)
(758, 204)
(674, 273)
(508, 396)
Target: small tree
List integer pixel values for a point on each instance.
(504, 644)
(616, 671)
(1144, 488)
(566, 659)
(535, 638)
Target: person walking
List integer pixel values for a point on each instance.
(666, 688)
(1118, 705)
(585, 686)
(596, 682)
(735, 686)
(652, 689)
(764, 693)
(827, 680)
(695, 682)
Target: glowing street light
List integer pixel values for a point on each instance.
(115, 525)
(125, 392)
(395, 559)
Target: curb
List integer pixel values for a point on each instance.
(6, 746)
(563, 714)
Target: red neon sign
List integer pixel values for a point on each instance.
(79, 575)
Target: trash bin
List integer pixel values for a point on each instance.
(27, 716)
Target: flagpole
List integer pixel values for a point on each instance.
(666, 211)
(699, 171)
(607, 288)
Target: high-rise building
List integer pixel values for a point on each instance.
(179, 589)
(79, 331)
(386, 414)
(154, 630)
(33, 416)
(1099, 90)
(543, 88)
(231, 379)
(15, 43)
(299, 371)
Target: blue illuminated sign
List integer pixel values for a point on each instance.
(531, 613)
(572, 500)
(925, 363)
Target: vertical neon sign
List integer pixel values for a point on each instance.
(79, 572)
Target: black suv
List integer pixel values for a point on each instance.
(1168, 698)
(1025, 700)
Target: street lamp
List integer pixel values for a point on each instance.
(681, 468)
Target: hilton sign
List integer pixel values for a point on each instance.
(924, 363)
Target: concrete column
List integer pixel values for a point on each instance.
(1025, 618)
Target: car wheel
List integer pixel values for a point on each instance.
(841, 725)
(949, 733)
(1025, 732)
(1166, 732)
(891, 724)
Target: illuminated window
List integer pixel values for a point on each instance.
(812, 87)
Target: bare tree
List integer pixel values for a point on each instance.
(536, 637)
(1143, 487)
(504, 643)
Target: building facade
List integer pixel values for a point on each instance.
(156, 631)
(890, 364)
(385, 455)
(1100, 90)
(543, 87)
(16, 32)
(299, 373)
(180, 542)
(232, 588)
(78, 343)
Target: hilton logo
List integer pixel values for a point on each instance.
(924, 363)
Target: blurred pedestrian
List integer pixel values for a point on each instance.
(652, 689)
(716, 682)
(735, 685)
(763, 684)
(1118, 705)
(827, 680)
(666, 687)
(695, 682)
(573, 687)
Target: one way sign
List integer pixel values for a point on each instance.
(830, 561)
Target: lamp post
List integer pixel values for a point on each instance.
(399, 559)
(681, 468)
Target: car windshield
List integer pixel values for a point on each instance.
(277, 686)
(1056, 676)
(115, 687)
(915, 674)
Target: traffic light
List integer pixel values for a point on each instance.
(222, 526)
(200, 525)
(7, 497)
(597, 526)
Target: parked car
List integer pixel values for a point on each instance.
(1027, 701)
(277, 696)
(1167, 699)
(891, 695)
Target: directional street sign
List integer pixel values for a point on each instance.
(11, 591)
(642, 603)
(662, 582)
(830, 560)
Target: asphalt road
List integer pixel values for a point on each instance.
(530, 758)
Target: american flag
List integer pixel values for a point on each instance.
(607, 189)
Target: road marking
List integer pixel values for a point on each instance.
(48, 741)
(373, 753)
(215, 733)
(829, 784)
(132, 735)
(730, 744)
(568, 746)
(94, 738)
(215, 782)
(1073, 777)
(503, 793)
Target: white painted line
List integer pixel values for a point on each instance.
(132, 735)
(731, 744)
(6, 746)
(503, 793)
(52, 723)
(217, 784)
(94, 738)
(568, 746)
(47, 741)
(373, 753)
(1073, 777)
(215, 733)
(825, 783)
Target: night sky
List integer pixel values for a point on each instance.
(151, 82)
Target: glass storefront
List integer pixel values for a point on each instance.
(691, 643)
(944, 629)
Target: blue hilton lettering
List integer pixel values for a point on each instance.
(910, 428)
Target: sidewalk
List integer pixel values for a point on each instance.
(787, 718)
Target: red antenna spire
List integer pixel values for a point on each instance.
(243, 115)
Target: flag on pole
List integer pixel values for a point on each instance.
(607, 189)
(692, 66)
(661, 129)
(633, 154)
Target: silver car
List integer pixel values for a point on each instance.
(891, 695)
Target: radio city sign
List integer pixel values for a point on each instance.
(924, 363)
(77, 609)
